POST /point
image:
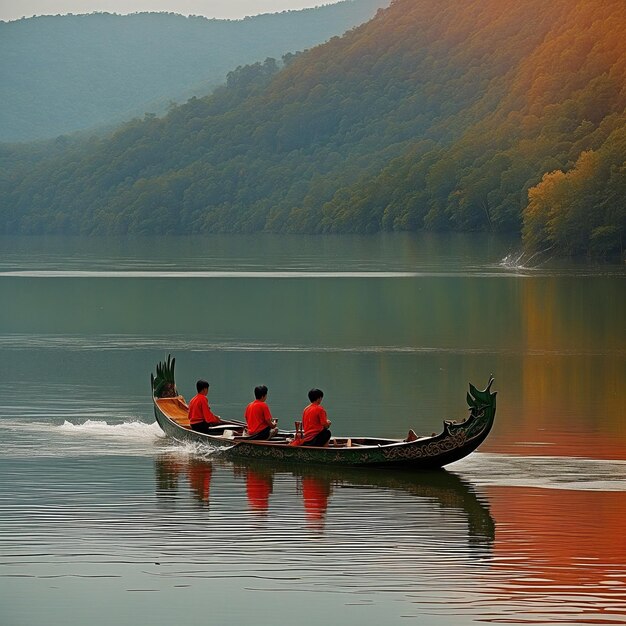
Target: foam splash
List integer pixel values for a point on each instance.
(513, 261)
(191, 450)
(521, 260)
(134, 430)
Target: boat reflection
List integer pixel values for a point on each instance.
(316, 487)
(199, 477)
(170, 469)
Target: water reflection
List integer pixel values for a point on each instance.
(259, 486)
(171, 471)
(199, 477)
(525, 554)
(567, 398)
(560, 554)
(317, 487)
(315, 495)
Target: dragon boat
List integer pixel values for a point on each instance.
(454, 442)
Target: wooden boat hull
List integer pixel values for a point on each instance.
(456, 441)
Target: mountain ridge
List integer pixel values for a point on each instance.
(60, 74)
(444, 117)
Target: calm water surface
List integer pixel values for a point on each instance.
(104, 521)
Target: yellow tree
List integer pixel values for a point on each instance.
(560, 209)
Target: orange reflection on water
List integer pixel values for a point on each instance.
(575, 405)
(315, 494)
(259, 486)
(560, 547)
(570, 399)
(565, 443)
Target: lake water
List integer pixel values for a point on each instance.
(104, 521)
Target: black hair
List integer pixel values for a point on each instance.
(260, 391)
(202, 384)
(315, 394)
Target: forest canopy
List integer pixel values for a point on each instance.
(482, 115)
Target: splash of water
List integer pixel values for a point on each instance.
(192, 450)
(521, 260)
(134, 430)
(137, 432)
(513, 261)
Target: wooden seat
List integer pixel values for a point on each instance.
(176, 409)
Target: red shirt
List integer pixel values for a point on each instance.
(314, 420)
(258, 417)
(199, 411)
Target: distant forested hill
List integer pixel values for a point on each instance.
(59, 73)
(483, 114)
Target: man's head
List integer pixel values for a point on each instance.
(260, 392)
(315, 394)
(202, 386)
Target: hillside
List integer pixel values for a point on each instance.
(432, 115)
(64, 73)
(547, 152)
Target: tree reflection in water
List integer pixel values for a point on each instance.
(565, 549)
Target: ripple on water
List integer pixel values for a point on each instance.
(490, 541)
(434, 546)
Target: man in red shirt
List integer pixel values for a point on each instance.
(315, 422)
(201, 417)
(259, 420)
